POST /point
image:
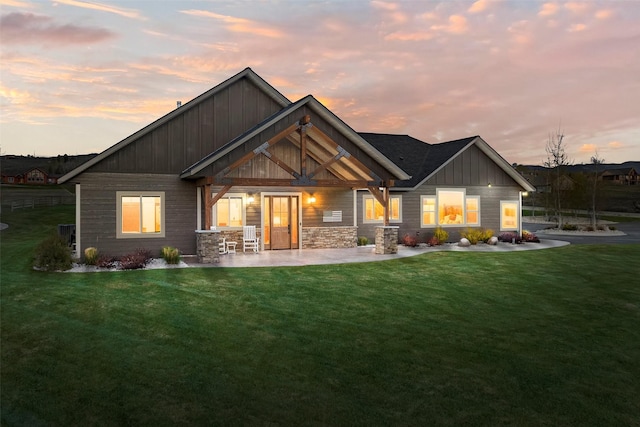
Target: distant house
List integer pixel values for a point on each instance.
(243, 154)
(626, 176)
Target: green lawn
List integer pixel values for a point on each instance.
(547, 337)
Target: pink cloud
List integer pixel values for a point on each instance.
(27, 28)
(239, 25)
(478, 6)
(457, 25)
(127, 13)
(548, 9)
(588, 148)
(577, 28)
(604, 14)
(576, 7)
(615, 145)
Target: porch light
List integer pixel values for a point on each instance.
(250, 199)
(489, 185)
(525, 194)
(312, 199)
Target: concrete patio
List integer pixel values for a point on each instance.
(358, 254)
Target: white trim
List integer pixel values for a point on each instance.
(435, 211)
(198, 208)
(120, 195)
(355, 208)
(462, 190)
(518, 213)
(214, 210)
(78, 220)
(367, 196)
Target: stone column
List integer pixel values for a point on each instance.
(387, 240)
(207, 246)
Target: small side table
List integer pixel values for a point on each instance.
(231, 247)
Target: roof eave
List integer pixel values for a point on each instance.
(247, 72)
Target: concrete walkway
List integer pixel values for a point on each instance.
(358, 254)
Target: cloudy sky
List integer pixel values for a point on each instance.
(79, 76)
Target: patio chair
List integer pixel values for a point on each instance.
(249, 238)
(222, 246)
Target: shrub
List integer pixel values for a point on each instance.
(53, 254)
(569, 227)
(589, 228)
(510, 237)
(601, 227)
(473, 235)
(612, 228)
(486, 235)
(170, 255)
(530, 237)
(91, 256)
(363, 241)
(409, 240)
(106, 261)
(136, 260)
(441, 235)
(433, 241)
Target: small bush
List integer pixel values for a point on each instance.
(601, 227)
(569, 227)
(530, 237)
(136, 260)
(106, 261)
(409, 240)
(589, 228)
(441, 235)
(170, 255)
(363, 241)
(433, 241)
(509, 237)
(612, 228)
(486, 235)
(53, 254)
(473, 235)
(91, 256)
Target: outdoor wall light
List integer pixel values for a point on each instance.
(312, 199)
(250, 199)
(489, 185)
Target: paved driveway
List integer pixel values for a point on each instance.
(631, 230)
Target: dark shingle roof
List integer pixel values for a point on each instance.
(418, 158)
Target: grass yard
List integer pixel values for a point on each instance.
(548, 337)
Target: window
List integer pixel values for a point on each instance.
(428, 211)
(450, 207)
(508, 215)
(473, 210)
(140, 214)
(229, 211)
(374, 212)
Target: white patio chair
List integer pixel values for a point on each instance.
(222, 247)
(249, 238)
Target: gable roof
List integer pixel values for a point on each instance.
(314, 105)
(422, 160)
(247, 73)
(618, 172)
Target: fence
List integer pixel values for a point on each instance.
(41, 201)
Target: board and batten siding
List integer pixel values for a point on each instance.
(98, 212)
(198, 131)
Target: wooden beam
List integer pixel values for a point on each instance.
(285, 182)
(207, 206)
(303, 151)
(383, 198)
(219, 195)
(282, 164)
(242, 160)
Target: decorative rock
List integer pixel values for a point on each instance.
(493, 240)
(465, 243)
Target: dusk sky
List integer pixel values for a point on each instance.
(79, 76)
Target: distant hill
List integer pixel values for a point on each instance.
(53, 166)
(585, 168)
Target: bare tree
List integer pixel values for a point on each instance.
(596, 160)
(557, 158)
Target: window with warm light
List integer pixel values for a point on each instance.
(229, 211)
(509, 217)
(374, 211)
(451, 204)
(140, 214)
(449, 207)
(428, 211)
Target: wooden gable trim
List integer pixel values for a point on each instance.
(382, 196)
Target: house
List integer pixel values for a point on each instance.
(243, 154)
(626, 176)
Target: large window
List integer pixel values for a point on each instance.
(450, 207)
(374, 212)
(229, 211)
(451, 204)
(508, 215)
(140, 214)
